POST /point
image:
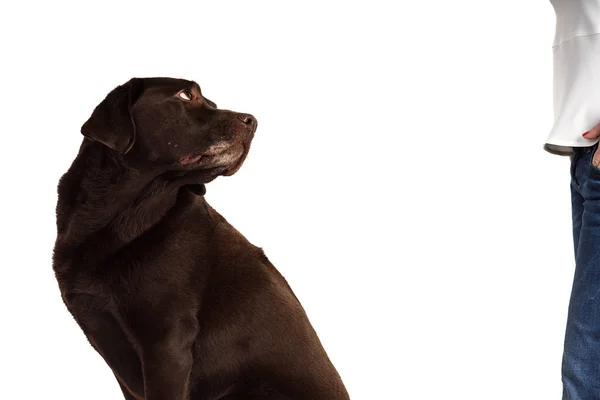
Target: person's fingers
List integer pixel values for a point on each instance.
(593, 133)
(596, 159)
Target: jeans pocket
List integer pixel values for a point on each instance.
(595, 169)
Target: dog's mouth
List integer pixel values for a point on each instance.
(237, 164)
(226, 162)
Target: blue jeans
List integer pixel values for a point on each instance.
(581, 357)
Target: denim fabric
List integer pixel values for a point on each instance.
(581, 357)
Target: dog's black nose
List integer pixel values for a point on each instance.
(247, 119)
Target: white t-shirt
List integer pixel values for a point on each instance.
(576, 51)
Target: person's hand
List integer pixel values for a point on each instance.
(594, 133)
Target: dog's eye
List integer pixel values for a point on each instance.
(185, 95)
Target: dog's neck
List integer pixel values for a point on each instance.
(101, 197)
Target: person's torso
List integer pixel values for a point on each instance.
(576, 57)
(575, 18)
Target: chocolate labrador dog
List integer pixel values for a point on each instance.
(178, 303)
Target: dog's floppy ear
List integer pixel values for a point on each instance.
(111, 122)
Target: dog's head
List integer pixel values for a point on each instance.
(168, 124)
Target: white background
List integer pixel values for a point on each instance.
(397, 180)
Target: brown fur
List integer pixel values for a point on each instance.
(178, 303)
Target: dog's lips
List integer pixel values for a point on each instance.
(188, 160)
(209, 160)
(238, 164)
